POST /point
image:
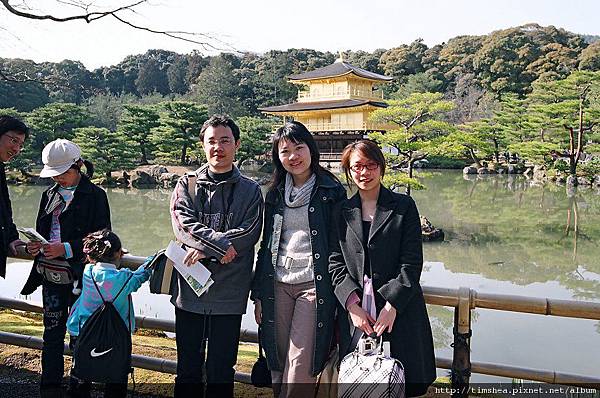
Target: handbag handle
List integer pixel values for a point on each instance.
(359, 334)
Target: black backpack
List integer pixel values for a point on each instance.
(102, 351)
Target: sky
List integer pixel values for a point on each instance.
(262, 25)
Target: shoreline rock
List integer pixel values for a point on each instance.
(430, 233)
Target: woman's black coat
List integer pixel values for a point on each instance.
(396, 257)
(326, 193)
(88, 212)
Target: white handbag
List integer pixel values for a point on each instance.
(368, 372)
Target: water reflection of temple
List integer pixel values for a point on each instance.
(334, 102)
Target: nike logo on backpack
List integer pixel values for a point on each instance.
(95, 354)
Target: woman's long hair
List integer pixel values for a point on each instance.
(297, 133)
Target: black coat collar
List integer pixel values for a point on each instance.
(352, 211)
(323, 181)
(55, 198)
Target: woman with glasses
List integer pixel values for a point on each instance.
(375, 265)
(69, 210)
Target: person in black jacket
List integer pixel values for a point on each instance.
(292, 292)
(69, 210)
(13, 133)
(375, 265)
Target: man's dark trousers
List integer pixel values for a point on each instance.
(223, 333)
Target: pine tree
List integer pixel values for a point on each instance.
(179, 129)
(418, 119)
(137, 123)
(108, 150)
(569, 109)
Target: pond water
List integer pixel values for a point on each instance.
(504, 234)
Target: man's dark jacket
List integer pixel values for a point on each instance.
(88, 212)
(8, 230)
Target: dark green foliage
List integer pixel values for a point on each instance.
(68, 81)
(176, 76)
(18, 89)
(52, 121)
(136, 124)
(255, 136)
(176, 138)
(402, 61)
(23, 96)
(366, 60)
(422, 82)
(152, 78)
(589, 59)
(510, 66)
(217, 86)
(507, 60)
(511, 59)
(107, 150)
(444, 162)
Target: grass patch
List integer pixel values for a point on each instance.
(145, 342)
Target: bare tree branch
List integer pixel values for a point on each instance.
(116, 13)
(179, 35)
(87, 17)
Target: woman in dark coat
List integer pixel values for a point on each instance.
(69, 210)
(292, 291)
(375, 265)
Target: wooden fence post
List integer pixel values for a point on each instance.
(461, 358)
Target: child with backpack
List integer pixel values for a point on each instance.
(102, 319)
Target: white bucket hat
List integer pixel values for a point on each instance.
(58, 156)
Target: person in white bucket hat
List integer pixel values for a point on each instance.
(69, 210)
(58, 157)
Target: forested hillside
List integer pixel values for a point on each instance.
(529, 93)
(507, 60)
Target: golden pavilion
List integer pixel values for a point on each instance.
(334, 103)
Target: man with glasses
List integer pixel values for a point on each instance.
(217, 215)
(13, 133)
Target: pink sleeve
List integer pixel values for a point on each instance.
(352, 299)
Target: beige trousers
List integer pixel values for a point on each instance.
(295, 318)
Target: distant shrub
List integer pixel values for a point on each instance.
(561, 165)
(589, 169)
(444, 162)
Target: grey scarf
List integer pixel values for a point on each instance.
(298, 197)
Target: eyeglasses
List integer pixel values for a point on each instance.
(15, 141)
(358, 167)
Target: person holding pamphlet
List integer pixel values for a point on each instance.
(13, 133)
(69, 210)
(216, 215)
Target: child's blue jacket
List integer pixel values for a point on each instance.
(109, 280)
